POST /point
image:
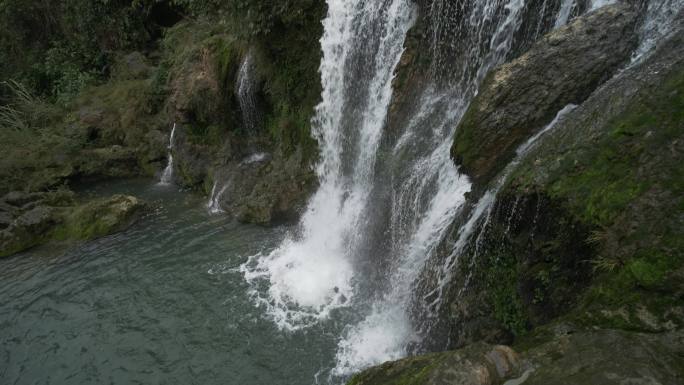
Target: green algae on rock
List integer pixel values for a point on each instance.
(33, 219)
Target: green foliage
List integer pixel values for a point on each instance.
(502, 282)
(57, 48)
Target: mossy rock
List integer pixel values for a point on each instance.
(99, 218)
(519, 98)
(472, 365)
(55, 217)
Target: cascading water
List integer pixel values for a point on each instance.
(662, 17)
(427, 191)
(311, 273)
(167, 174)
(214, 204)
(564, 12)
(321, 269)
(480, 215)
(245, 90)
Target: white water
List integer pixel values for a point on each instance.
(167, 174)
(315, 272)
(214, 204)
(564, 11)
(661, 20)
(255, 158)
(596, 4)
(311, 273)
(427, 195)
(245, 90)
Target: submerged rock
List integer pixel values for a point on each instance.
(519, 98)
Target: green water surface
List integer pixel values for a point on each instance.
(157, 304)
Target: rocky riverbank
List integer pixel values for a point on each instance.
(186, 75)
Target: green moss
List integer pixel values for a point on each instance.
(97, 218)
(410, 371)
(502, 277)
(626, 183)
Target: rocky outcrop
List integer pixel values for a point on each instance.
(31, 219)
(258, 177)
(520, 97)
(588, 225)
(563, 355)
(100, 217)
(263, 188)
(478, 364)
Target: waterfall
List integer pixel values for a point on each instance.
(167, 175)
(245, 90)
(311, 273)
(214, 204)
(662, 18)
(386, 201)
(564, 11)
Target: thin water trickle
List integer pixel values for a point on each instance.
(167, 174)
(245, 90)
(214, 204)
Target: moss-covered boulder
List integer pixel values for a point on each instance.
(29, 220)
(560, 354)
(477, 364)
(520, 97)
(99, 218)
(264, 188)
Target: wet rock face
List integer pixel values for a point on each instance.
(608, 357)
(266, 189)
(519, 98)
(562, 355)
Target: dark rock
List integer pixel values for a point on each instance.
(114, 161)
(37, 220)
(6, 219)
(91, 220)
(268, 190)
(30, 229)
(20, 198)
(477, 364)
(519, 98)
(607, 357)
